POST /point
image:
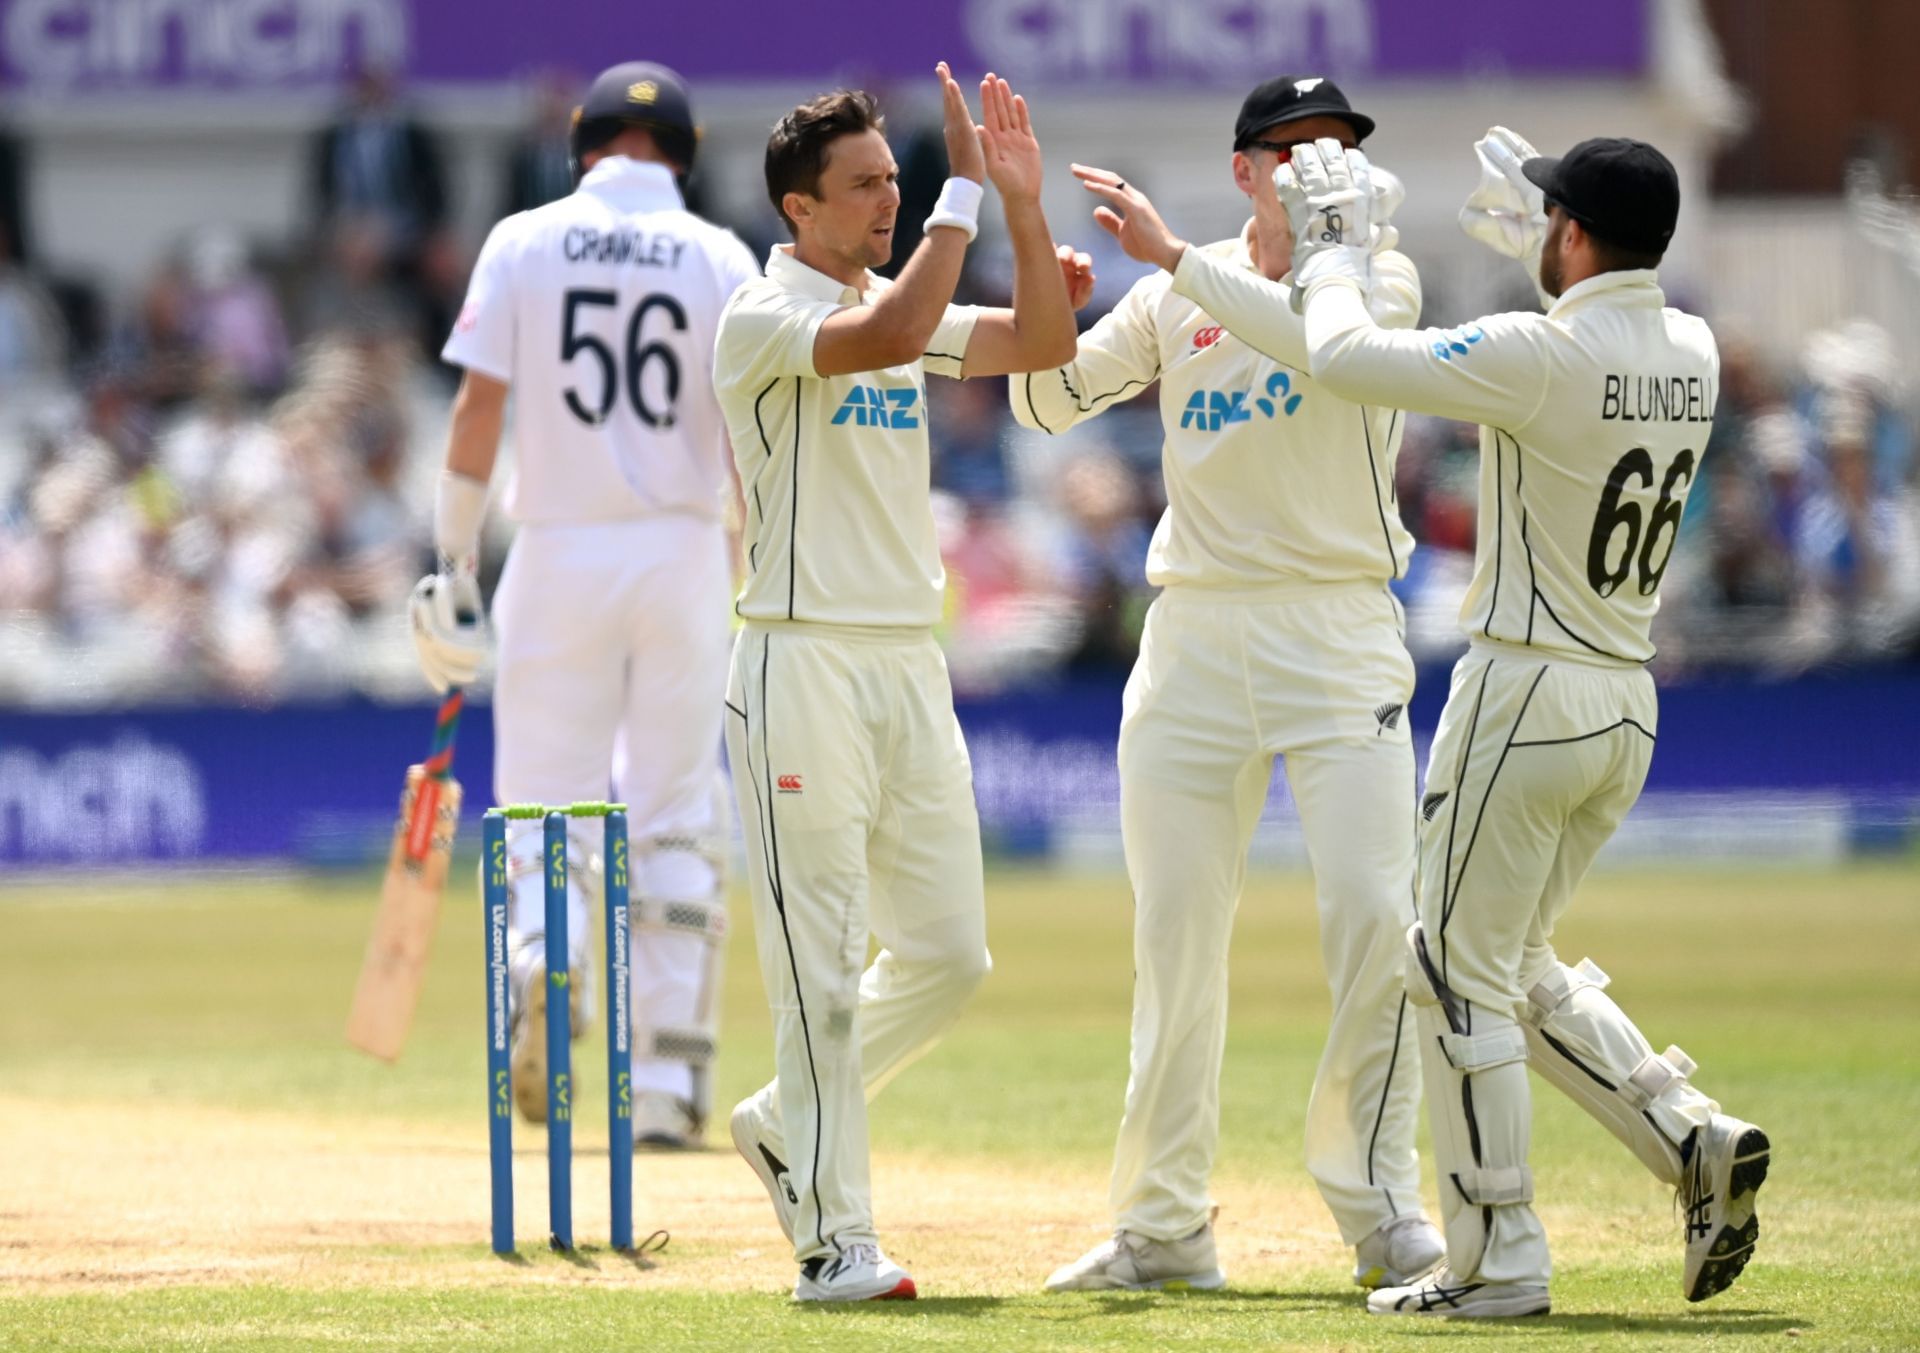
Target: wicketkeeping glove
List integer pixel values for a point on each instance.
(1388, 193)
(450, 632)
(1507, 212)
(1328, 193)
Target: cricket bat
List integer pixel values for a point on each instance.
(397, 952)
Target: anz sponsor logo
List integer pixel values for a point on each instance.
(1457, 342)
(868, 406)
(1211, 410)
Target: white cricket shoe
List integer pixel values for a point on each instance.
(760, 1146)
(528, 1055)
(1444, 1295)
(665, 1122)
(857, 1273)
(1136, 1263)
(1399, 1254)
(1724, 1170)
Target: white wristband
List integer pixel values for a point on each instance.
(459, 508)
(959, 207)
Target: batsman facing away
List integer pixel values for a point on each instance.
(599, 312)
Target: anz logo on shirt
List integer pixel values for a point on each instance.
(1457, 342)
(1211, 410)
(868, 406)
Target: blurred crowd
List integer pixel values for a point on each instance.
(221, 487)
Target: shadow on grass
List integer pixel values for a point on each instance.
(1269, 1300)
(972, 1307)
(1583, 1328)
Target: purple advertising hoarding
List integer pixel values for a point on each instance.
(70, 47)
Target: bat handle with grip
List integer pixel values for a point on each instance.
(438, 766)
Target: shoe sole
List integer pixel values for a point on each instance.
(1734, 1245)
(1492, 1308)
(739, 1127)
(662, 1142)
(904, 1290)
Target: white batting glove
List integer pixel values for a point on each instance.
(1328, 193)
(450, 632)
(1388, 193)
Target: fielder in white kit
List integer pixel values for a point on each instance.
(1593, 418)
(855, 791)
(1275, 635)
(600, 311)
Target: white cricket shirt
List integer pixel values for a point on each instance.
(835, 468)
(1270, 477)
(1593, 419)
(600, 311)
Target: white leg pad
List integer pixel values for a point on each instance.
(1474, 1064)
(680, 934)
(1586, 1047)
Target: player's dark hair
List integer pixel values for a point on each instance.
(797, 150)
(1618, 258)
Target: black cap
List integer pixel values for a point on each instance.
(1287, 98)
(637, 94)
(1625, 192)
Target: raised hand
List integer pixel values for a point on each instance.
(1328, 194)
(1388, 193)
(965, 159)
(1077, 268)
(1007, 140)
(1127, 215)
(1506, 211)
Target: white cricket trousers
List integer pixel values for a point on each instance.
(856, 799)
(1226, 681)
(1535, 764)
(617, 632)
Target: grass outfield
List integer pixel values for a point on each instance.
(193, 1159)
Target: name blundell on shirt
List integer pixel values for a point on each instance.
(1659, 399)
(584, 244)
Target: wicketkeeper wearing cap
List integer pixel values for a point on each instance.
(1593, 419)
(599, 312)
(1275, 636)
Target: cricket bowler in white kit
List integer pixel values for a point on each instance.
(600, 312)
(1275, 635)
(1593, 418)
(855, 792)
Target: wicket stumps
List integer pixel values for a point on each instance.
(498, 901)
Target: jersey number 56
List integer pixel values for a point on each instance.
(639, 356)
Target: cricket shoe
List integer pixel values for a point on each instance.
(1442, 1294)
(1133, 1262)
(858, 1273)
(1399, 1254)
(759, 1144)
(665, 1122)
(1725, 1167)
(528, 1055)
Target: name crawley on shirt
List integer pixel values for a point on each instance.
(1659, 399)
(584, 244)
